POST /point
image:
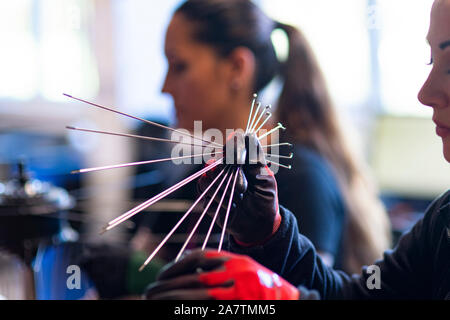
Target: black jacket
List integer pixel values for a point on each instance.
(417, 268)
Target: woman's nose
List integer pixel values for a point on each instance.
(165, 88)
(432, 94)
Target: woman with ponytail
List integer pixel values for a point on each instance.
(219, 53)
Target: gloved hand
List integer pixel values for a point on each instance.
(114, 270)
(210, 275)
(254, 214)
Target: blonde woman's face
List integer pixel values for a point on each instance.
(436, 89)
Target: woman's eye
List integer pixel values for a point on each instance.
(179, 67)
(431, 62)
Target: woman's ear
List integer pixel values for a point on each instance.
(242, 69)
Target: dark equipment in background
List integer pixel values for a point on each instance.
(31, 212)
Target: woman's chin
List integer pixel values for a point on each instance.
(446, 148)
(447, 154)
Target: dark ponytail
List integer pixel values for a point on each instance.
(304, 104)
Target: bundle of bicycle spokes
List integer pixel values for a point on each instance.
(227, 176)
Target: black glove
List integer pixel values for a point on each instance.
(254, 214)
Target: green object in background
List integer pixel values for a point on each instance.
(137, 280)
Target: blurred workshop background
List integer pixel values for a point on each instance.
(373, 53)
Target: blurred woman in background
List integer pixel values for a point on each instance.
(219, 53)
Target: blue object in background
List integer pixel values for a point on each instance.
(47, 157)
(51, 273)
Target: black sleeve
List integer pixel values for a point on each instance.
(293, 257)
(405, 272)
